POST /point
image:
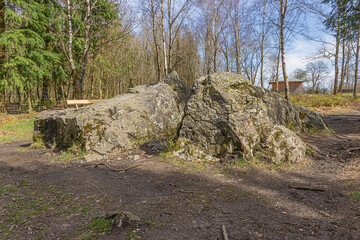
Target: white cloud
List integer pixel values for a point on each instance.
(299, 53)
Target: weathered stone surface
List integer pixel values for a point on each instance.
(227, 115)
(121, 123)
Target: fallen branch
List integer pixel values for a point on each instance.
(135, 166)
(117, 169)
(307, 188)
(224, 232)
(51, 201)
(95, 187)
(116, 177)
(62, 197)
(182, 191)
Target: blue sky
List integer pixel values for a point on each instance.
(301, 50)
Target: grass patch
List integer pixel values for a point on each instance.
(71, 154)
(229, 169)
(68, 156)
(320, 131)
(16, 129)
(326, 103)
(151, 225)
(132, 236)
(323, 100)
(239, 163)
(355, 196)
(185, 165)
(309, 151)
(101, 225)
(33, 206)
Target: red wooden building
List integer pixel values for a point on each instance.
(295, 86)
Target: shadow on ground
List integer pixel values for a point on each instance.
(177, 200)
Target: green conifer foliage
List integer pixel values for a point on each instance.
(24, 42)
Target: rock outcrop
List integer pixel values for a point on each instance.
(121, 123)
(227, 115)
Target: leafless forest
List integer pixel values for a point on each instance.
(54, 50)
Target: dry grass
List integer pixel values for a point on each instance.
(16, 127)
(327, 103)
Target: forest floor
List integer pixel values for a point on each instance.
(44, 195)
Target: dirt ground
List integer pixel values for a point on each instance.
(42, 197)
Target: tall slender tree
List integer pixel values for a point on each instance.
(262, 43)
(357, 62)
(283, 10)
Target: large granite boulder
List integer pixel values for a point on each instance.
(124, 122)
(227, 115)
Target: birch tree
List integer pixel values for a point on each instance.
(283, 10)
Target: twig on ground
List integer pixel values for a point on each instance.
(113, 177)
(182, 191)
(307, 188)
(69, 205)
(95, 187)
(224, 232)
(135, 166)
(117, 169)
(62, 197)
(51, 200)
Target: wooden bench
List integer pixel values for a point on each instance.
(77, 102)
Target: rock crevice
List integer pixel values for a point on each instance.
(223, 114)
(227, 115)
(152, 111)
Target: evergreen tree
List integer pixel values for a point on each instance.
(25, 44)
(2, 52)
(345, 16)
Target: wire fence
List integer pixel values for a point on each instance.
(19, 104)
(52, 98)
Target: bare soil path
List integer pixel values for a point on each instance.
(43, 198)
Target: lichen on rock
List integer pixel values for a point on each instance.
(227, 115)
(152, 111)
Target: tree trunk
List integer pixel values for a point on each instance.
(107, 80)
(357, 62)
(348, 58)
(157, 58)
(55, 90)
(277, 69)
(343, 66)
(237, 53)
(2, 29)
(262, 46)
(100, 88)
(80, 78)
(70, 53)
(170, 34)
(92, 84)
(164, 38)
(227, 55)
(215, 26)
(337, 62)
(236, 35)
(63, 94)
(29, 102)
(3, 101)
(69, 18)
(283, 8)
(45, 96)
